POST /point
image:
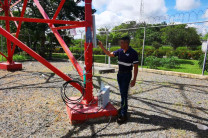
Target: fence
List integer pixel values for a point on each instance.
(149, 25)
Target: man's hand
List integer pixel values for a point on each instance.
(105, 51)
(133, 82)
(100, 43)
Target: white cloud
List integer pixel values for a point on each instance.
(186, 5)
(100, 4)
(118, 11)
(108, 18)
(206, 14)
(199, 28)
(131, 8)
(155, 8)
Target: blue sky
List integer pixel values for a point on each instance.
(171, 4)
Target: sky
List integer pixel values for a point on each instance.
(115, 12)
(109, 11)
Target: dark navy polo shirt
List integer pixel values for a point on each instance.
(127, 59)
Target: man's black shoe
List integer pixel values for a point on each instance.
(119, 111)
(122, 119)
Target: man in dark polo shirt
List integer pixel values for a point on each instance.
(127, 60)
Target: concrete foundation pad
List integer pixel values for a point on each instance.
(78, 114)
(10, 67)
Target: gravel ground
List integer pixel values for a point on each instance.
(159, 105)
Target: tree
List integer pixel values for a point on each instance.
(39, 32)
(205, 37)
(192, 38)
(116, 33)
(180, 35)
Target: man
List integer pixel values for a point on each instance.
(127, 60)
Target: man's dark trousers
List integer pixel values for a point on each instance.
(124, 79)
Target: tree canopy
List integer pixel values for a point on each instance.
(176, 35)
(37, 34)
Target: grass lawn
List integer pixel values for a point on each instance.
(187, 66)
(18, 57)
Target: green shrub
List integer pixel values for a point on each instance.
(159, 53)
(166, 48)
(201, 62)
(156, 45)
(114, 48)
(171, 62)
(98, 51)
(148, 47)
(196, 54)
(75, 50)
(182, 48)
(170, 53)
(152, 62)
(183, 53)
(148, 52)
(165, 51)
(198, 47)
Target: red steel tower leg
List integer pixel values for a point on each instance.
(6, 11)
(10, 65)
(89, 51)
(20, 23)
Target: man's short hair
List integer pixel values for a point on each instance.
(126, 38)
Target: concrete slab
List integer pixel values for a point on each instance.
(102, 70)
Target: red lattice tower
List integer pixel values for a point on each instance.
(82, 113)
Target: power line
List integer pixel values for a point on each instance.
(155, 26)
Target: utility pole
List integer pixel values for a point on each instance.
(205, 58)
(143, 47)
(106, 30)
(109, 59)
(141, 10)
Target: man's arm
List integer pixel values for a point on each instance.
(106, 51)
(133, 82)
